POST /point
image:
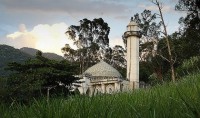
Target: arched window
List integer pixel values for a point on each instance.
(97, 91)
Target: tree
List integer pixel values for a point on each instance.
(69, 53)
(118, 57)
(150, 30)
(192, 7)
(118, 60)
(190, 26)
(189, 66)
(91, 39)
(39, 75)
(151, 33)
(96, 31)
(146, 69)
(170, 59)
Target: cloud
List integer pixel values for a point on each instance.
(21, 38)
(47, 38)
(166, 8)
(122, 17)
(75, 7)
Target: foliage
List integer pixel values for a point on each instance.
(190, 27)
(69, 53)
(148, 25)
(145, 70)
(9, 54)
(3, 90)
(192, 7)
(189, 66)
(153, 80)
(35, 76)
(150, 30)
(91, 39)
(116, 57)
(171, 100)
(95, 31)
(84, 58)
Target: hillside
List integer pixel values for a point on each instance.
(32, 51)
(170, 100)
(9, 54)
(52, 56)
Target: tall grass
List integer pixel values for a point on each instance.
(171, 100)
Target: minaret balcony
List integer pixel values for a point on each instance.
(132, 33)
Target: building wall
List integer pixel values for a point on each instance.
(101, 86)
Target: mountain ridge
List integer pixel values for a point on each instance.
(10, 54)
(49, 55)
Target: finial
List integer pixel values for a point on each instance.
(131, 18)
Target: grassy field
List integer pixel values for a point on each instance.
(179, 100)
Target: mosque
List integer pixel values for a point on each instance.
(103, 78)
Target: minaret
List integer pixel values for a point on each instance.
(132, 36)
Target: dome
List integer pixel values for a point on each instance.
(102, 69)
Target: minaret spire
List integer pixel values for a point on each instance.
(132, 36)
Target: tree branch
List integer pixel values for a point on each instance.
(175, 59)
(157, 14)
(162, 32)
(163, 57)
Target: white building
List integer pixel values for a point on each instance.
(103, 78)
(100, 78)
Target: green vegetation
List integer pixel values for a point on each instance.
(9, 54)
(37, 77)
(189, 66)
(91, 39)
(171, 100)
(32, 52)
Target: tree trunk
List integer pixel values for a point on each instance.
(48, 89)
(168, 45)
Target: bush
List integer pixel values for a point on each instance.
(3, 90)
(189, 66)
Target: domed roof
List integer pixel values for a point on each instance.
(102, 69)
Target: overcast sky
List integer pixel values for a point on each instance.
(41, 23)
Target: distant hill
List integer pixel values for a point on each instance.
(52, 56)
(32, 51)
(9, 54)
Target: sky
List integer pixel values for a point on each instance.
(41, 24)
